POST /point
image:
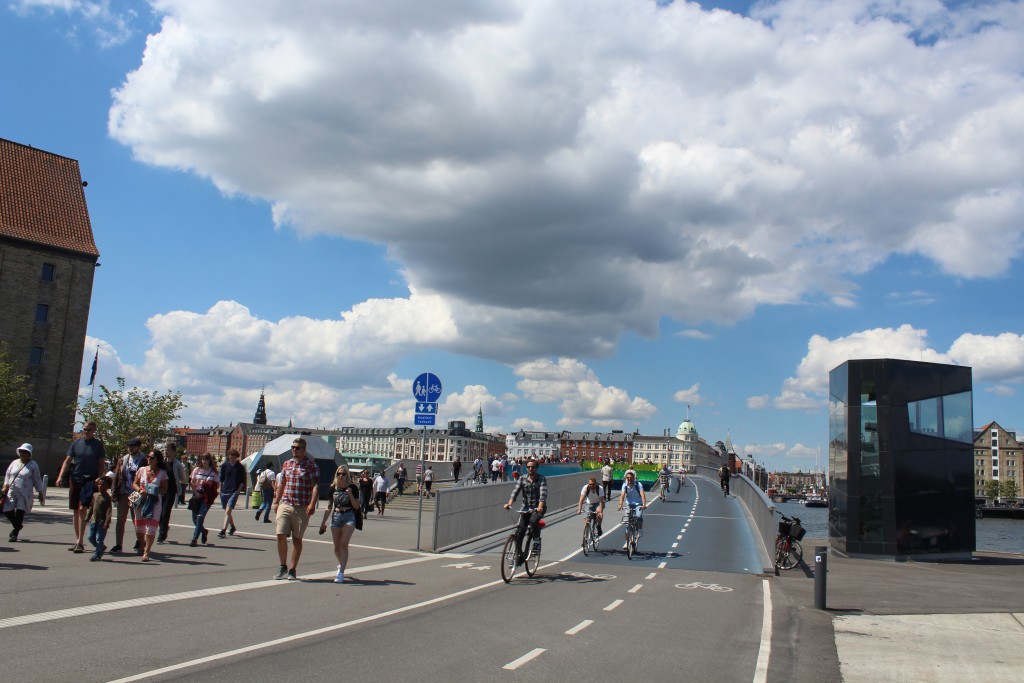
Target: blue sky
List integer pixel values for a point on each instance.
(579, 215)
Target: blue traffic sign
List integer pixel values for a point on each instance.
(427, 388)
(427, 408)
(423, 420)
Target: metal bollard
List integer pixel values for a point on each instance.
(820, 575)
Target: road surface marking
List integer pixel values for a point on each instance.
(612, 606)
(579, 627)
(662, 565)
(651, 575)
(259, 647)
(679, 537)
(675, 545)
(187, 595)
(532, 654)
(764, 654)
(635, 588)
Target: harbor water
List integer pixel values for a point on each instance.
(1001, 535)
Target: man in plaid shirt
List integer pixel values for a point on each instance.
(535, 497)
(294, 501)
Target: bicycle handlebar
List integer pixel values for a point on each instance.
(789, 519)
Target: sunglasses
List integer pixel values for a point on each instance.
(298, 448)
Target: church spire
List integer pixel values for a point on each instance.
(261, 411)
(480, 421)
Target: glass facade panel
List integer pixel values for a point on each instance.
(958, 416)
(924, 416)
(870, 527)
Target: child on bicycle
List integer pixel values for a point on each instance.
(593, 495)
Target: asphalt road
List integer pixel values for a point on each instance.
(688, 606)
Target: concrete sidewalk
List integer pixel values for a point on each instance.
(910, 621)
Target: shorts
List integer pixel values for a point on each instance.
(428, 483)
(381, 497)
(291, 520)
(340, 519)
(146, 527)
(590, 508)
(228, 500)
(80, 494)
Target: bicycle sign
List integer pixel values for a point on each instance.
(714, 587)
(427, 388)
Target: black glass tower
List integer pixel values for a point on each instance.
(901, 477)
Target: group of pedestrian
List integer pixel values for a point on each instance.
(144, 487)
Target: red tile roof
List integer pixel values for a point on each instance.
(42, 200)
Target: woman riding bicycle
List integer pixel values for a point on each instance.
(593, 495)
(633, 493)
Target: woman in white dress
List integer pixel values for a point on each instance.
(22, 476)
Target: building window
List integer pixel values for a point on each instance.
(42, 313)
(49, 272)
(35, 356)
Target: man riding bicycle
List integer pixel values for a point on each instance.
(724, 475)
(633, 493)
(664, 476)
(534, 488)
(593, 495)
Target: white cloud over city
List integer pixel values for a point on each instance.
(824, 138)
(600, 168)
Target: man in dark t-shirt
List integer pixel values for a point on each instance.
(232, 485)
(82, 465)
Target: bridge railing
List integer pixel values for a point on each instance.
(464, 514)
(759, 506)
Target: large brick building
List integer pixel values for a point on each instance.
(48, 259)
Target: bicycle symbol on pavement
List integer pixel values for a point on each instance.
(709, 586)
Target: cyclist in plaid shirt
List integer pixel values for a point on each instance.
(535, 496)
(295, 501)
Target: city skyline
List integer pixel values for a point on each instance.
(588, 232)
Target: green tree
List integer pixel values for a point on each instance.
(992, 489)
(1009, 489)
(13, 399)
(122, 414)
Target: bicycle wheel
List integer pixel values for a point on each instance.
(631, 537)
(788, 555)
(595, 537)
(508, 559)
(588, 539)
(532, 557)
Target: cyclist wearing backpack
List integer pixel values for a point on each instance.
(633, 494)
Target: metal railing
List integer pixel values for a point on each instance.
(466, 513)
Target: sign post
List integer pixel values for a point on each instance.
(426, 389)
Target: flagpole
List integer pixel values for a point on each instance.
(92, 377)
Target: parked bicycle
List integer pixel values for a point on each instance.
(591, 539)
(788, 552)
(515, 555)
(632, 526)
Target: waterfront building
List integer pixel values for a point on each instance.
(615, 445)
(49, 259)
(997, 457)
(533, 444)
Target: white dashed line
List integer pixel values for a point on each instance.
(635, 588)
(651, 575)
(612, 606)
(579, 627)
(662, 565)
(532, 654)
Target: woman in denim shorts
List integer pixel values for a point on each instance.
(341, 510)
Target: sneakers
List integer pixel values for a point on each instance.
(340, 578)
(95, 557)
(625, 545)
(206, 535)
(193, 543)
(291, 575)
(257, 516)
(281, 573)
(600, 531)
(116, 549)
(221, 534)
(137, 546)
(232, 530)
(161, 539)
(13, 537)
(536, 546)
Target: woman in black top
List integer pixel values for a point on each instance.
(365, 492)
(341, 511)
